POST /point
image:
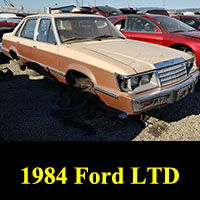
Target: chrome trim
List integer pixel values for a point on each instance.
(4, 49)
(44, 66)
(158, 66)
(107, 92)
(169, 63)
(169, 94)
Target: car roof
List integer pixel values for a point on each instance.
(64, 15)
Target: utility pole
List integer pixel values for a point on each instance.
(163, 3)
(77, 4)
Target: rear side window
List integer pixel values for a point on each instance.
(29, 29)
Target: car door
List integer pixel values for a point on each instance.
(44, 47)
(25, 40)
(140, 28)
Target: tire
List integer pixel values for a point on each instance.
(72, 103)
(69, 112)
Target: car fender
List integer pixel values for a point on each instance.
(82, 69)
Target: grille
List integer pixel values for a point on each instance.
(172, 74)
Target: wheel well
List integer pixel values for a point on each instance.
(72, 74)
(13, 55)
(179, 46)
(78, 79)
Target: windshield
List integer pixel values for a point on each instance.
(172, 25)
(85, 28)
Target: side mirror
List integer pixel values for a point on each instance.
(158, 30)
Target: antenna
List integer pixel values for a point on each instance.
(77, 3)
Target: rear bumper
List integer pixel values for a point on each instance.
(167, 96)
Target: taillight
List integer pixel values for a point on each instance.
(4, 23)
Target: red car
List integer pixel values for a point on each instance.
(160, 29)
(191, 20)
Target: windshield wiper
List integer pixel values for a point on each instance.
(108, 36)
(177, 31)
(74, 38)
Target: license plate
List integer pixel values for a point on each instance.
(182, 93)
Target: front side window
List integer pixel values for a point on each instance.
(81, 28)
(139, 24)
(29, 29)
(51, 38)
(45, 32)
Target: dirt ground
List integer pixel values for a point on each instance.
(27, 114)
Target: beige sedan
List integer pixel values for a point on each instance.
(89, 52)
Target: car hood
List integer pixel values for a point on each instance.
(139, 56)
(194, 34)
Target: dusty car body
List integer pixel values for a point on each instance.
(130, 76)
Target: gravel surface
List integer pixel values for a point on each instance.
(27, 114)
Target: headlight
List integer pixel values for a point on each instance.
(137, 83)
(145, 79)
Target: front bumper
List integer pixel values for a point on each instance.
(164, 97)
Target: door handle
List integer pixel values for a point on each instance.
(34, 46)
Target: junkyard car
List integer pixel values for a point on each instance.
(89, 52)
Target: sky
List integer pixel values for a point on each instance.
(38, 5)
